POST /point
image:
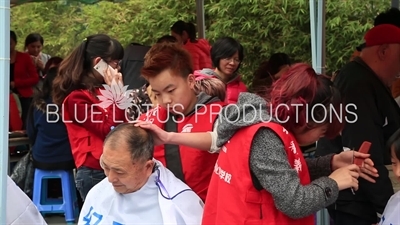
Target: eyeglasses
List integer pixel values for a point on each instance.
(237, 61)
(115, 64)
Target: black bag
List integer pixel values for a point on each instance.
(23, 174)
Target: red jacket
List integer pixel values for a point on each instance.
(200, 52)
(25, 75)
(87, 129)
(15, 119)
(197, 165)
(232, 197)
(233, 89)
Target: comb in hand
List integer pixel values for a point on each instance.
(363, 149)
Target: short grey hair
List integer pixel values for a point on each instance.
(138, 141)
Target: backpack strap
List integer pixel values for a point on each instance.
(172, 152)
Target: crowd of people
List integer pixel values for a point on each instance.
(170, 134)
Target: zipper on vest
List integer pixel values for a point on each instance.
(261, 214)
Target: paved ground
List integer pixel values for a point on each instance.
(56, 220)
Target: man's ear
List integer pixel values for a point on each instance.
(383, 51)
(149, 166)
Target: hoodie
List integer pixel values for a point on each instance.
(269, 164)
(233, 87)
(200, 52)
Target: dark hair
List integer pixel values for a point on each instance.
(47, 87)
(76, 70)
(180, 26)
(139, 141)
(42, 95)
(224, 48)
(394, 142)
(191, 30)
(13, 36)
(165, 56)
(276, 61)
(264, 75)
(52, 61)
(167, 38)
(33, 37)
(301, 86)
(390, 16)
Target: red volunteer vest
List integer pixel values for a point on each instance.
(232, 197)
(197, 165)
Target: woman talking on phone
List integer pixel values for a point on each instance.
(261, 176)
(76, 89)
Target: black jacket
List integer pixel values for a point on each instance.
(378, 117)
(131, 65)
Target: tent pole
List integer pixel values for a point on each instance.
(4, 103)
(313, 29)
(322, 217)
(321, 48)
(200, 18)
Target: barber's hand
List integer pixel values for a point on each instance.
(110, 75)
(367, 169)
(160, 136)
(346, 177)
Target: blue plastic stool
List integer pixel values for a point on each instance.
(67, 205)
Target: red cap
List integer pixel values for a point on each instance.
(382, 34)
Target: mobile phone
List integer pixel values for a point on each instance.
(101, 66)
(365, 146)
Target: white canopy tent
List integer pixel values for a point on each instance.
(317, 23)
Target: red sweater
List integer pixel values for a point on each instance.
(25, 75)
(87, 129)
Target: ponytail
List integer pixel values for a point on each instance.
(191, 31)
(76, 70)
(180, 26)
(70, 73)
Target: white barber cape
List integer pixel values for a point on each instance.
(20, 209)
(164, 199)
(391, 215)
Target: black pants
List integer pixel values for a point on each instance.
(67, 165)
(25, 104)
(341, 218)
